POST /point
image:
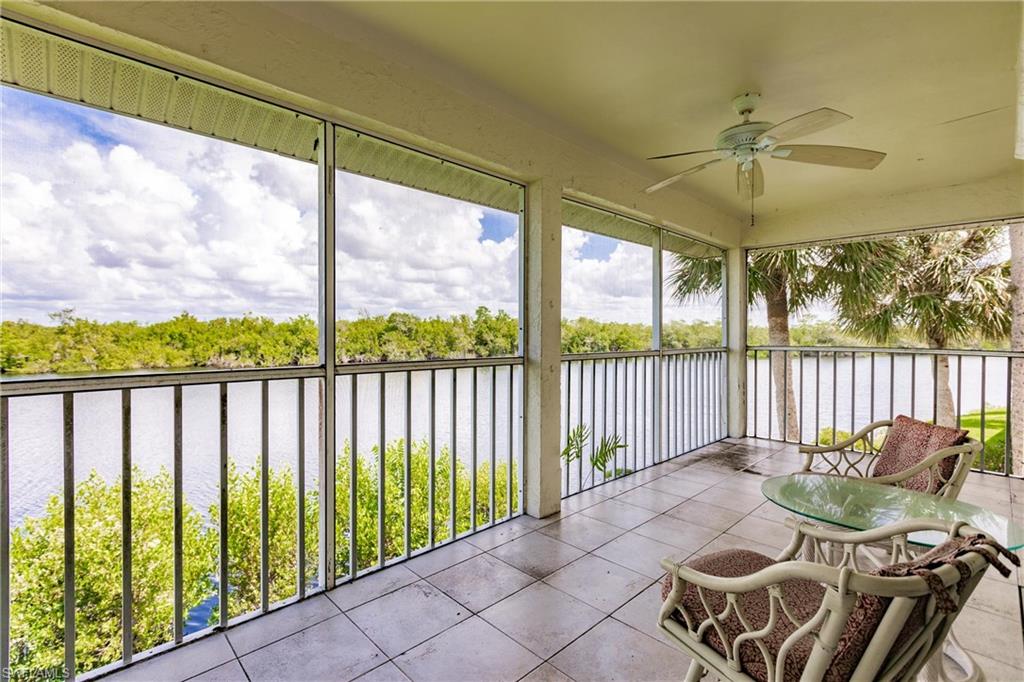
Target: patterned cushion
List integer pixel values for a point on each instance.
(909, 442)
(803, 598)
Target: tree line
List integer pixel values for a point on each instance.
(76, 344)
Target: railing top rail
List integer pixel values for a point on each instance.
(893, 351)
(28, 386)
(688, 351)
(609, 355)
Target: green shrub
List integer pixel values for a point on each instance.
(37, 547)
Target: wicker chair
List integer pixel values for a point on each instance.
(744, 616)
(913, 454)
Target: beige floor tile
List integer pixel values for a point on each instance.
(617, 486)
(619, 514)
(647, 498)
(536, 554)
(314, 654)
(640, 553)
(727, 541)
(500, 534)
(285, 621)
(673, 531)
(641, 612)
(481, 581)
(545, 672)
(991, 635)
(730, 499)
(362, 590)
(388, 672)
(598, 582)
(181, 663)
(615, 651)
(997, 671)
(228, 672)
(675, 486)
(472, 650)
(763, 531)
(699, 476)
(399, 621)
(542, 618)
(997, 596)
(442, 557)
(773, 512)
(580, 501)
(705, 515)
(582, 531)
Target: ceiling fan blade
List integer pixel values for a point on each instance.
(750, 183)
(672, 156)
(679, 176)
(828, 155)
(804, 124)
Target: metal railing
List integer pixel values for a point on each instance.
(642, 407)
(449, 431)
(814, 395)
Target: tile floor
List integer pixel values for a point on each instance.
(572, 597)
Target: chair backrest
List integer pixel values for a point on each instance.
(904, 611)
(879, 624)
(909, 442)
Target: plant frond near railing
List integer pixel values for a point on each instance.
(604, 455)
(575, 442)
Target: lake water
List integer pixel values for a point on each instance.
(36, 446)
(36, 434)
(912, 390)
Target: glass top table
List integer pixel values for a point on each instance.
(859, 504)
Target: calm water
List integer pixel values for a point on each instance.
(853, 400)
(37, 447)
(36, 441)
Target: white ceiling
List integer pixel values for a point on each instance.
(931, 84)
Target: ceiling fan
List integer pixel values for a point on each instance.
(748, 140)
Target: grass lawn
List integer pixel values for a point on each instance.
(995, 434)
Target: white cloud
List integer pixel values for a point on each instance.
(121, 219)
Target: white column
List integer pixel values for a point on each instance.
(543, 270)
(736, 339)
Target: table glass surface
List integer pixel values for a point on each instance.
(862, 505)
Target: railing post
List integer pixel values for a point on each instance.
(543, 264)
(327, 353)
(736, 339)
(656, 316)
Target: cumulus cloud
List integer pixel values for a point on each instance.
(126, 220)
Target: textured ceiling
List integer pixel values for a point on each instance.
(931, 84)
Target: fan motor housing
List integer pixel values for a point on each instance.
(741, 135)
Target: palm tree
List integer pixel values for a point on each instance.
(784, 280)
(947, 287)
(1016, 289)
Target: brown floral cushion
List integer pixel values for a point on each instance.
(803, 598)
(908, 443)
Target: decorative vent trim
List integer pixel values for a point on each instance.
(52, 65)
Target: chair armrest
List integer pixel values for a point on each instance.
(816, 449)
(840, 460)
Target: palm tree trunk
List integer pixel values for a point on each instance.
(945, 412)
(1016, 419)
(782, 370)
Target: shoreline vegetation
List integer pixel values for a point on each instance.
(75, 344)
(37, 545)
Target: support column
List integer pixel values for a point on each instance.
(543, 336)
(736, 339)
